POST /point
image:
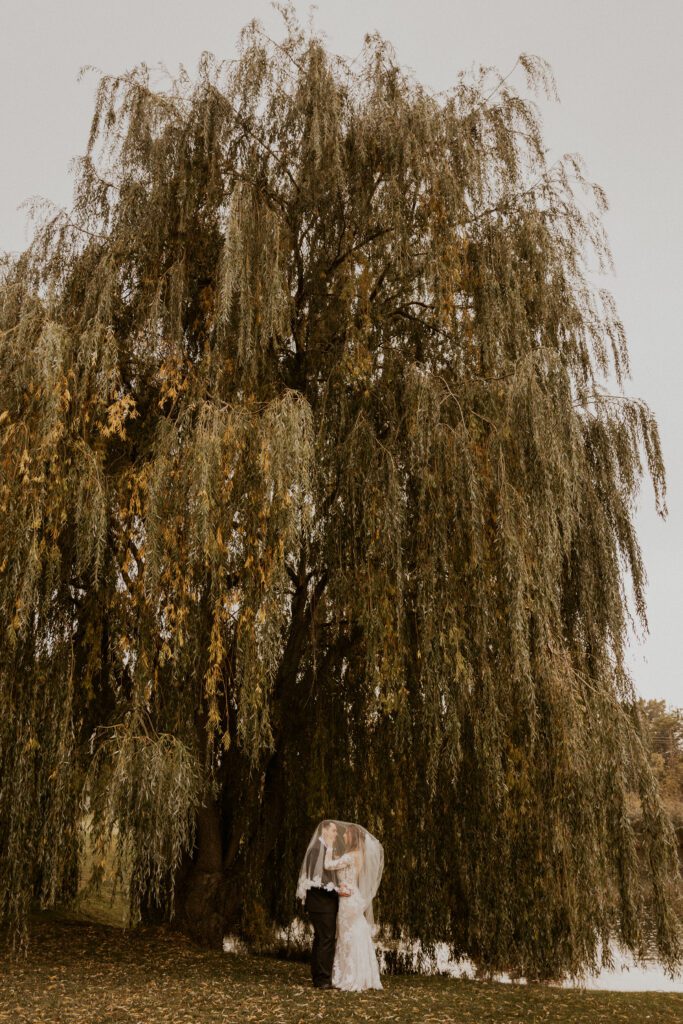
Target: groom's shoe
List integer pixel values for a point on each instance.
(325, 984)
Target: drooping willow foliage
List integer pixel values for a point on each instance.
(315, 500)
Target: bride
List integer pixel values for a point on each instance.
(353, 874)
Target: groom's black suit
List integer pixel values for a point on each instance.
(321, 906)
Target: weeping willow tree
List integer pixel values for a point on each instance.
(316, 501)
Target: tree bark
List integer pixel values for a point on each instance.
(199, 887)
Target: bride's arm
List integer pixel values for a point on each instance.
(332, 863)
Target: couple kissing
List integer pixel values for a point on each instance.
(339, 878)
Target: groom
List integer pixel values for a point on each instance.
(322, 902)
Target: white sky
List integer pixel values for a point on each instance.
(619, 73)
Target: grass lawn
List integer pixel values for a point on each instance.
(96, 974)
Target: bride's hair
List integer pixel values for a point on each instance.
(355, 841)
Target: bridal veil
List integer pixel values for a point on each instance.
(341, 837)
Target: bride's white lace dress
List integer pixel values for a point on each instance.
(355, 963)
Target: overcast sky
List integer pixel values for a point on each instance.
(618, 69)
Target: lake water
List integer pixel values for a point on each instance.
(626, 976)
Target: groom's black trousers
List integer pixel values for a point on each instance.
(321, 907)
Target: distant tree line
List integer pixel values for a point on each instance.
(664, 729)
